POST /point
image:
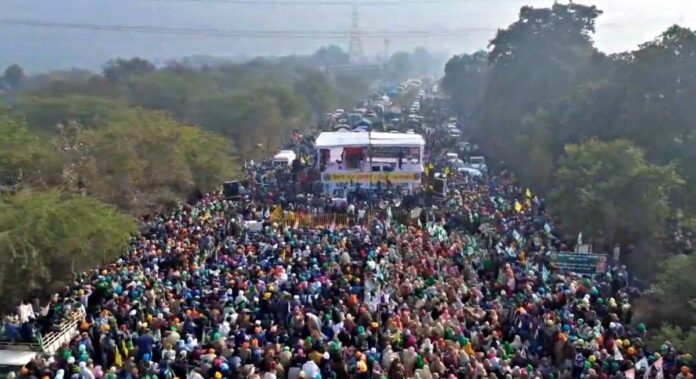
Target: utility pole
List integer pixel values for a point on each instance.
(355, 50)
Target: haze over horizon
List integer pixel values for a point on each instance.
(624, 25)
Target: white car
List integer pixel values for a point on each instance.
(478, 162)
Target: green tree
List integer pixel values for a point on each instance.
(331, 55)
(465, 82)
(120, 71)
(317, 91)
(261, 128)
(25, 158)
(169, 90)
(149, 162)
(671, 305)
(46, 114)
(350, 87)
(14, 76)
(533, 63)
(399, 66)
(48, 237)
(209, 157)
(293, 106)
(608, 191)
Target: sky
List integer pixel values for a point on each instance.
(624, 25)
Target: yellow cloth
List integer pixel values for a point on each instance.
(118, 360)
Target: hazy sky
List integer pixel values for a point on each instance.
(624, 24)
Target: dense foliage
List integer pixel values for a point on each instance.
(89, 152)
(545, 86)
(46, 237)
(610, 137)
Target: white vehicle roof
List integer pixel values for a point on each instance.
(471, 171)
(285, 154)
(337, 139)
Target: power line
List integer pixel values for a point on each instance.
(282, 34)
(327, 2)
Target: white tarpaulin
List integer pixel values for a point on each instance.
(327, 140)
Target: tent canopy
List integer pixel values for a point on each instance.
(333, 139)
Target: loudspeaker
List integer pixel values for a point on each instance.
(230, 190)
(440, 186)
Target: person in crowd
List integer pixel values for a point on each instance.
(467, 293)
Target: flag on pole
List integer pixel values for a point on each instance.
(528, 193)
(547, 228)
(518, 206)
(658, 367)
(277, 214)
(545, 274)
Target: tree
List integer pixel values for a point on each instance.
(120, 71)
(422, 61)
(48, 237)
(292, 105)
(25, 158)
(399, 66)
(46, 114)
(465, 81)
(331, 55)
(261, 128)
(350, 87)
(607, 191)
(672, 304)
(533, 63)
(149, 161)
(169, 90)
(316, 89)
(14, 76)
(210, 157)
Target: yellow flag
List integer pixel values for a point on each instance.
(529, 194)
(118, 360)
(518, 206)
(277, 214)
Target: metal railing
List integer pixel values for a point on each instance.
(51, 341)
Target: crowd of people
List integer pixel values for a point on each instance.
(468, 293)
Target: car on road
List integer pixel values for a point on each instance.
(478, 162)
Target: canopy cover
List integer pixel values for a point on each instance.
(334, 139)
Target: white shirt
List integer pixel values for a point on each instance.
(26, 311)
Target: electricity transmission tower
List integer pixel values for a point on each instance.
(355, 50)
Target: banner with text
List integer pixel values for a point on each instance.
(584, 264)
(374, 177)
